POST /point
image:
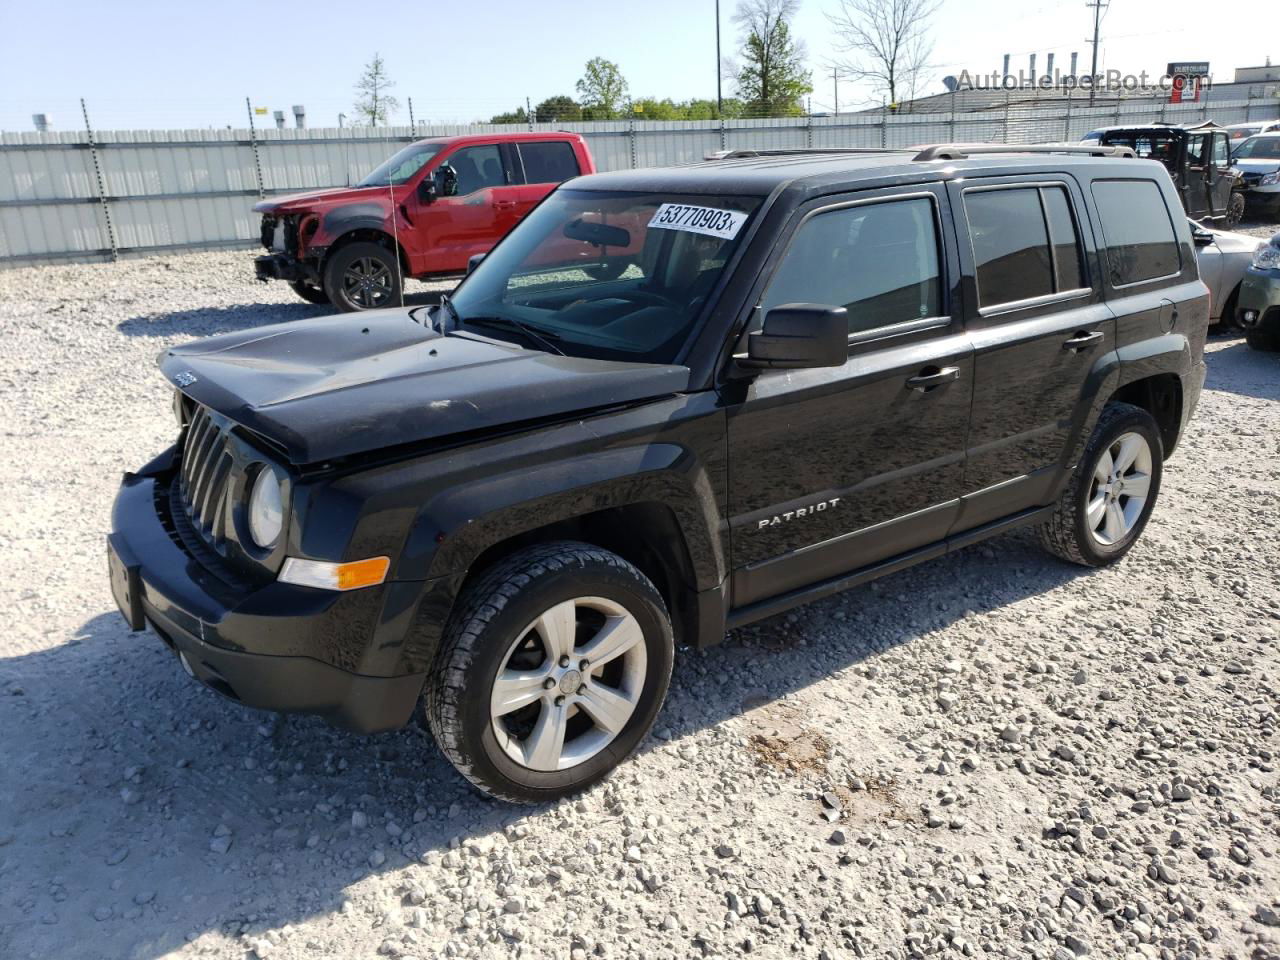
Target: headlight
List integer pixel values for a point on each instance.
(266, 509)
(1269, 178)
(1266, 257)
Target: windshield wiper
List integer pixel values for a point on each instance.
(545, 339)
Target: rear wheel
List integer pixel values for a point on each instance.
(551, 671)
(363, 276)
(309, 291)
(1112, 491)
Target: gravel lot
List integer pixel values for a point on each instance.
(993, 754)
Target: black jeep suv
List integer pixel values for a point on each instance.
(669, 402)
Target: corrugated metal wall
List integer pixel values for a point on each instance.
(128, 193)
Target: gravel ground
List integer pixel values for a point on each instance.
(993, 754)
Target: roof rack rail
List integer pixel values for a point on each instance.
(798, 152)
(958, 151)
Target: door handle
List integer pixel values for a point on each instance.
(925, 382)
(504, 204)
(1082, 340)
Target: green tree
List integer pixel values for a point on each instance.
(649, 108)
(773, 79)
(602, 90)
(374, 105)
(518, 115)
(558, 108)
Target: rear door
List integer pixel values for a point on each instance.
(477, 215)
(1038, 325)
(838, 468)
(545, 164)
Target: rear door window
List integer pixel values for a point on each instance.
(1141, 241)
(550, 162)
(1025, 243)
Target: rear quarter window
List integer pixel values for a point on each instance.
(552, 162)
(1141, 241)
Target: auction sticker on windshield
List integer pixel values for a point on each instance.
(709, 220)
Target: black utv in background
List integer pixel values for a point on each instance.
(1198, 159)
(669, 402)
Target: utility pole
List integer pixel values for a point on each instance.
(719, 95)
(1098, 6)
(835, 83)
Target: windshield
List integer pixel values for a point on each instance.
(402, 166)
(608, 275)
(1259, 148)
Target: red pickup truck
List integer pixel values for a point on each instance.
(423, 213)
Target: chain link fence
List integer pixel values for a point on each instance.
(99, 195)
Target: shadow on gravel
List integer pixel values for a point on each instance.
(139, 810)
(207, 321)
(1240, 369)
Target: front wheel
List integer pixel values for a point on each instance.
(1235, 210)
(363, 276)
(1112, 491)
(551, 671)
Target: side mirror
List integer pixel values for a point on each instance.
(473, 261)
(427, 191)
(798, 335)
(1201, 238)
(448, 178)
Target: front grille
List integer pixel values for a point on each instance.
(205, 476)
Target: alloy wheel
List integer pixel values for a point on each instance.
(1119, 490)
(367, 282)
(569, 684)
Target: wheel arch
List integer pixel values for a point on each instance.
(371, 232)
(1160, 395)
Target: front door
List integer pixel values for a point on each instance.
(1195, 180)
(1038, 325)
(476, 204)
(1218, 176)
(835, 469)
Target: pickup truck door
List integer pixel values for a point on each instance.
(1038, 325)
(473, 219)
(543, 165)
(835, 469)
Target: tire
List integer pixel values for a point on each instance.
(349, 266)
(1226, 325)
(309, 292)
(1092, 539)
(505, 622)
(1235, 210)
(1266, 335)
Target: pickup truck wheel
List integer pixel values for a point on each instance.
(1112, 491)
(308, 291)
(362, 276)
(551, 671)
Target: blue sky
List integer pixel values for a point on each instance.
(145, 64)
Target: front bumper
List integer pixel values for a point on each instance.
(281, 266)
(1259, 298)
(275, 646)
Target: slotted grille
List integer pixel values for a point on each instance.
(206, 470)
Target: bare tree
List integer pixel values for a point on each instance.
(374, 104)
(772, 78)
(887, 43)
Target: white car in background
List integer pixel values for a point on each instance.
(1223, 257)
(1237, 132)
(1258, 160)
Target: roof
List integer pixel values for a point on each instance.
(762, 175)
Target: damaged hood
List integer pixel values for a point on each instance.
(316, 199)
(334, 386)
